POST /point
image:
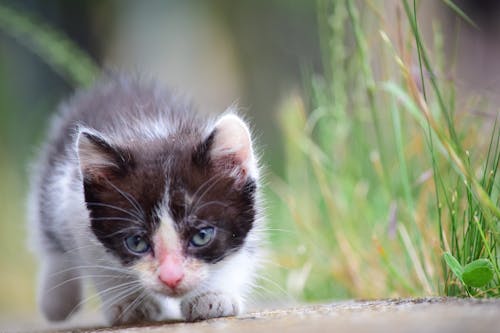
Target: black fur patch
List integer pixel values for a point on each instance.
(207, 196)
(201, 154)
(124, 203)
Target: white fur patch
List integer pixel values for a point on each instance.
(168, 235)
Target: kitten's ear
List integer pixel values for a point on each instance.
(231, 146)
(97, 157)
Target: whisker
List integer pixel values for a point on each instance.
(121, 295)
(125, 231)
(132, 305)
(260, 290)
(210, 224)
(130, 199)
(210, 183)
(229, 252)
(275, 284)
(214, 177)
(220, 203)
(273, 263)
(81, 277)
(100, 293)
(279, 230)
(116, 219)
(100, 204)
(109, 268)
(75, 249)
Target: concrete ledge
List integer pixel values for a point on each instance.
(401, 315)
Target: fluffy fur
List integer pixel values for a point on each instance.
(129, 166)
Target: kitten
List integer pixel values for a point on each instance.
(158, 206)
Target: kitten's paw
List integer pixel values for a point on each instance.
(209, 305)
(132, 311)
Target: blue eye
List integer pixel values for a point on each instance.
(137, 244)
(203, 236)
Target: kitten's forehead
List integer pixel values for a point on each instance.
(166, 238)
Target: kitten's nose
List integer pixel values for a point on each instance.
(171, 272)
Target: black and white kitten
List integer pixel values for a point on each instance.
(158, 206)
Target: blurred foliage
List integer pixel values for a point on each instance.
(50, 45)
(17, 281)
(383, 173)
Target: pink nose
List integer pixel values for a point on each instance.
(171, 272)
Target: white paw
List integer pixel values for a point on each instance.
(209, 305)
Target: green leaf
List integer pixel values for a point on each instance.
(454, 265)
(478, 273)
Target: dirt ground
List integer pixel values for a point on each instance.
(401, 315)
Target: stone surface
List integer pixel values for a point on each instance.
(401, 315)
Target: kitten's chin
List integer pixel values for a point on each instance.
(165, 291)
(173, 293)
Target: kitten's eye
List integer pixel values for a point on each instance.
(137, 244)
(203, 237)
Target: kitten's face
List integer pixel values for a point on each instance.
(169, 211)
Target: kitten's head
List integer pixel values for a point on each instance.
(172, 208)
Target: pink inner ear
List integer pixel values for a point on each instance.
(233, 146)
(94, 155)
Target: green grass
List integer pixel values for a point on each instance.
(383, 175)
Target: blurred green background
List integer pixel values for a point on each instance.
(351, 197)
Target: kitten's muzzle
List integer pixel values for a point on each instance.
(171, 271)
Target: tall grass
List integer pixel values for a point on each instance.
(473, 213)
(383, 175)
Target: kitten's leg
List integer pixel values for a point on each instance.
(124, 302)
(209, 305)
(137, 309)
(60, 289)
